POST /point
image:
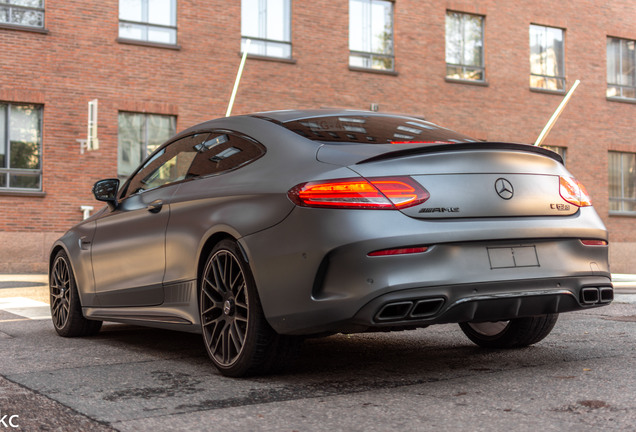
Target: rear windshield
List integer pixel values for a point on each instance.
(373, 129)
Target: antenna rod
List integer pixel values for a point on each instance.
(238, 78)
(548, 127)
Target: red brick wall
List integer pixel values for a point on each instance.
(79, 60)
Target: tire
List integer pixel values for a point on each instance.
(237, 337)
(66, 309)
(516, 333)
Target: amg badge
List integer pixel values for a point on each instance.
(440, 210)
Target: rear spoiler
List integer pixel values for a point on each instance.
(444, 148)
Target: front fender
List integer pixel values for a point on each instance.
(76, 243)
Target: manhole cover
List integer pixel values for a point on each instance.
(20, 284)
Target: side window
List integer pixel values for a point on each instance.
(171, 164)
(225, 152)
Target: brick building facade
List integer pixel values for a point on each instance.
(76, 51)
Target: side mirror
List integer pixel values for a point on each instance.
(106, 190)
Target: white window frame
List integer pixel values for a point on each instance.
(6, 171)
(11, 7)
(145, 26)
(619, 87)
(560, 78)
(624, 179)
(372, 60)
(465, 68)
(260, 42)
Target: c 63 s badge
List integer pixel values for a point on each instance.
(560, 207)
(440, 210)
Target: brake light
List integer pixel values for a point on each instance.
(374, 193)
(574, 192)
(591, 242)
(398, 251)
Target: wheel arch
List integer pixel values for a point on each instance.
(57, 247)
(83, 279)
(207, 247)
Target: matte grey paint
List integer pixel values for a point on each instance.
(311, 266)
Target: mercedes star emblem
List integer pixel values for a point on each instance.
(504, 188)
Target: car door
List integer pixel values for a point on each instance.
(128, 250)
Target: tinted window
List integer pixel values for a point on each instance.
(373, 129)
(169, 165)
(224, 152)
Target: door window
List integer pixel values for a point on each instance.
(169, 165)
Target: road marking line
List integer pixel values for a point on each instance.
(26, 307)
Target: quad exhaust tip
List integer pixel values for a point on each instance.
(596, 295)
(409, 309)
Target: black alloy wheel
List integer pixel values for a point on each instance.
(237, 337)
(66, 309)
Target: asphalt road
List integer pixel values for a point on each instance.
(582, 377)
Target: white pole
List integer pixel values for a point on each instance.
(557, 113)
(238, 78)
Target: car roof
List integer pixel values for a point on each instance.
(284, 116)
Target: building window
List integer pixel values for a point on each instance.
(547, 58)
(139, 135)
(148, 20)
(267, 24)
(464, 46)
(621, 68)
(371, 34)
(29, 13)
(622, 182)
(20, 147)
(558, 150)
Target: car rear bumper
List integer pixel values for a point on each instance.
(420, 307)
(314, 273)
(485, 302)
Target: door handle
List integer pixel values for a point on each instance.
(155, 206)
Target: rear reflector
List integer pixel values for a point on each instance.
(359, 193)
(574, 192)
(591, 242)
(399, 251)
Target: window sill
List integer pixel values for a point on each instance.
(18, 27)
(22, 193)
(465, 81)
(373, 71)
(622, 213)
(623, 100)
(269, 58)
(148, 44)
(547, 91)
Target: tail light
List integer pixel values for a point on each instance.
(574, 192)
(593, 242)
(359, 193)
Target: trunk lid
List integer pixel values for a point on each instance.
(476, 180)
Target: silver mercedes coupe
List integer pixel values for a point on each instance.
(259, 230)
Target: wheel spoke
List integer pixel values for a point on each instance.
(238, 336)
(226, 344)
(212, 293)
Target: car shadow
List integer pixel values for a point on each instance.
(434, 351)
